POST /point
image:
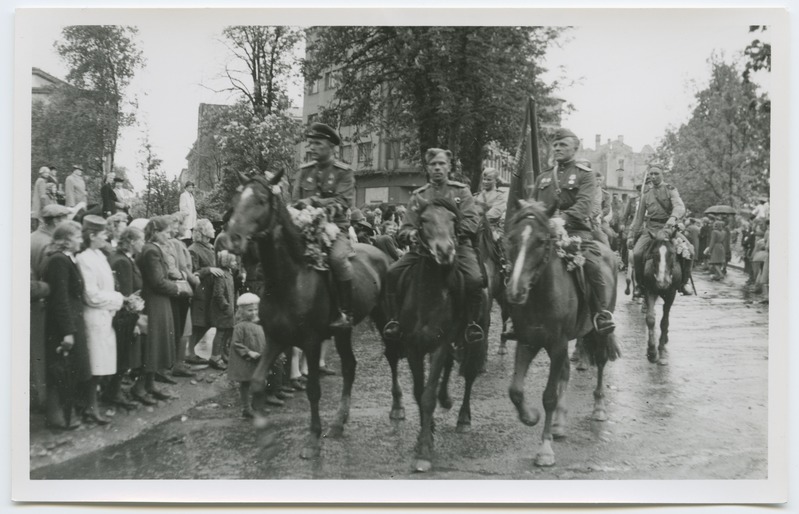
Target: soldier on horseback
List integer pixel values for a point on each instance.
(571, 186)
(661, 209)
(493, 202)
(327, 182)
(438, 166)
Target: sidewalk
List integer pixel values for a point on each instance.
(55, 446)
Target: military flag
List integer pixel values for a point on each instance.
(527, 166)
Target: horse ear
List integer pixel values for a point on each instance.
(276, 177)
(242, 177)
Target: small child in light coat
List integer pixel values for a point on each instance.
(247, 344)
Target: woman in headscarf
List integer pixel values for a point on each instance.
(66, 353)
(158, 289)
(101, 303)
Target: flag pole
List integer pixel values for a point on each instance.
(527, 159)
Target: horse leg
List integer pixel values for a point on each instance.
(545, 455)
(393, 356)
(600, 358)
(427, 405)
(524, 356)
(313, 448)
(579, 355)
(443, 391)
(559, 420)
(348, 364)
(651, 348)
(668, 301)
(629, 278)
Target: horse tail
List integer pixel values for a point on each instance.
(601, 348)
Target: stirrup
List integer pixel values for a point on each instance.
(607, 327)
(392, 330)
(473, 334)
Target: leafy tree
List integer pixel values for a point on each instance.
(161, 194)
(721, 155)
(758, 54)
(102, 61)
(67, 130)
(454, 87)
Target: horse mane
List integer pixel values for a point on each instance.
(294, 243)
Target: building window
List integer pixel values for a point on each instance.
(313, 87)
(330, 81)
(345, 153)
(365, 154)
(621, 164)
(392, 153)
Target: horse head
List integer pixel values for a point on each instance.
(254, 212)
(438, 224)
(663, 256)
(529, 243)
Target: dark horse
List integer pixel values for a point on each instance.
(489, 252)
(662, 278)
(548, 310)
(430, 321)
(296, 304)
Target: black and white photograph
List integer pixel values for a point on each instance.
(454, 248)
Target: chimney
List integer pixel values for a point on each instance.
(621, 139)
(598, 141)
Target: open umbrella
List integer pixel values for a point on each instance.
(720, 209)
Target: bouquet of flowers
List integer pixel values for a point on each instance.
(683, 248)
(318, 233)
(133, 303)
(566, 247)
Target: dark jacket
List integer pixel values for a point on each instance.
(109, 199)
(157, 291)
(577, 190)
(126, 273)
(203, 258)
(223, 301)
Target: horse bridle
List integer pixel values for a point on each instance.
(270, 224)
(549, 242)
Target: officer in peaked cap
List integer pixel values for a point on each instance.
(327, 182)
(570, 186)
(438, 166)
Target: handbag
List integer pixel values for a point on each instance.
(184, 289)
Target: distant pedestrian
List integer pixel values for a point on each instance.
(39, 190)
(190, 212)
(248, 343)
(75, 188)
(110, 202)
(715, 250)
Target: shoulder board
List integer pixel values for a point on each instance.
(456, 183)
(341, 165)
(582, 167)
(669, 186)
(307, 164)
(421, 189)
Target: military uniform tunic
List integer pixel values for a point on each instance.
(330, 184)
(494, 203)
(572, 186)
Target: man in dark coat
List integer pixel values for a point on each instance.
(327, 182)
(572, 188)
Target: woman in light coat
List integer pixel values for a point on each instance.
(101, 302)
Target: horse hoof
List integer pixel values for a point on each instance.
(627, 290)
(544, 460)
(463, 428)
(335, 431)
(529, 418)
(422, 466)
(599, 415)
(397, 414)
(309, 453)
(652, 357)
(663, 361)
(581, 365)
(445, 402)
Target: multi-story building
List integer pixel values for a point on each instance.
(43, 85)
(622, 167)
(204, 164)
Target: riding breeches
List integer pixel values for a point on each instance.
(340, 253)
(597, 275)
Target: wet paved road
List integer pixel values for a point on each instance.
(704, 416)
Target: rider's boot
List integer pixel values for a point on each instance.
(603, 319)
(474, 334)
(638, 269)
(391, 331)
(344, 320)
(686, 266)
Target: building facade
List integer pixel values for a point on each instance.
(43, 85)
(622, 167)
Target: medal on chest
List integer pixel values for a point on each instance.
(572, 179)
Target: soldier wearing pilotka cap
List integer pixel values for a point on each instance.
(327, 182)
(571, 187)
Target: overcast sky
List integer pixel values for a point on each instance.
(633, 80)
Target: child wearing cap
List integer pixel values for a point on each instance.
(247, 344)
